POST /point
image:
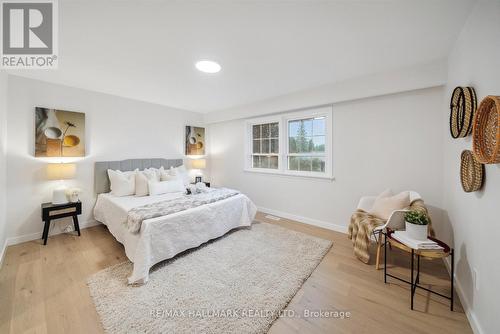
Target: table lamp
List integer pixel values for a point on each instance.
(60, 172)
(198, 164)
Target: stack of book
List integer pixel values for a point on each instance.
(402, 237)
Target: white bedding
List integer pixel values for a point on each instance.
(163, 237)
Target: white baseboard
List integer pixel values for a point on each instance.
(2, 254)
(469, 312)
(306, 220)
(315, 222)
(38, 235)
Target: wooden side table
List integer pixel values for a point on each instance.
(426, 253)
(55, 211)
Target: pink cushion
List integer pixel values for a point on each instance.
(384, 206)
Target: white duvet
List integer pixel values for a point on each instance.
(164, 237)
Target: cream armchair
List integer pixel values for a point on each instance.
(396, 220)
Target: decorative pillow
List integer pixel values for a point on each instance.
(166, 175)
(122, 183)
(182, 173)
(156, 171)
(201, 186)
(181, 169)
(141, 181)
(384, 206)
(163, 187)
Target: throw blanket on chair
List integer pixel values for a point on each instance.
(362, 226)
(137, 215)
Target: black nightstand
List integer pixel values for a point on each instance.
(55, 211)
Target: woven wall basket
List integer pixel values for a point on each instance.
(486, 133)
(463, 104)
(471, 172)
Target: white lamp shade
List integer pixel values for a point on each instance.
(199, 164)
(59, 195)
(61, 171)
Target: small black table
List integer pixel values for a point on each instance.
(426, 253)
(55, 211)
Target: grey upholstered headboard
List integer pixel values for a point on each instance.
(101, 180)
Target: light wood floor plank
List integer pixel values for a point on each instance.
(43, 289)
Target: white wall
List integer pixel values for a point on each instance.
(3, 165)
(420, 76)
(392, 141)
(473, 218)
(116, 128)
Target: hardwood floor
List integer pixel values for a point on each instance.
(43, 289)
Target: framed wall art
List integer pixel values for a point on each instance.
(59, 133)
(195, 140)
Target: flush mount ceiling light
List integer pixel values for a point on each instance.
(207, 66)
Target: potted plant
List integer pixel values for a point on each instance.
(416, 225)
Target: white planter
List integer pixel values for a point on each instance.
(74, 197)
(418, 232)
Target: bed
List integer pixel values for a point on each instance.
(163, 237)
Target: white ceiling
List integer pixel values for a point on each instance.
(146, 50)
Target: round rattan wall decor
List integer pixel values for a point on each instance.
(471, 172)
(486, 133)
(463, 104)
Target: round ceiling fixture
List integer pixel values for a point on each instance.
(208, 66)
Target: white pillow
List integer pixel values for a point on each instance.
(122, 183)
(166, 175)
(182, 173)
(181, 169)
(384, 206)
(141, 181)
(163, 187)
(157, 171)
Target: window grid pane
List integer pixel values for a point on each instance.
(319, 143)
(306, 144)
(265, 145)
(304, 130)
(274, 130)
(265, 161)
(275, 146)
(307, 163)
(255, 161)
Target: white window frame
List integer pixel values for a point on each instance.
(282, 120)
(249, 143)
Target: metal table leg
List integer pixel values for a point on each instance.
(452, 278)
(415, 280)
(385, 258)
(411, 285)
(418, 270)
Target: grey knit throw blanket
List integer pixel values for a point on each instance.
(137, 215)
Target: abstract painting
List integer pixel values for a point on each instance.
(59, 133)
(195, 140)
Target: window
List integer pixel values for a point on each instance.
(292, 144)
(306, 144)
(265, 145)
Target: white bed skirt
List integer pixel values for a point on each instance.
(164, 237)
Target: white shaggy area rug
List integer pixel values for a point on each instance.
(238, 283)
